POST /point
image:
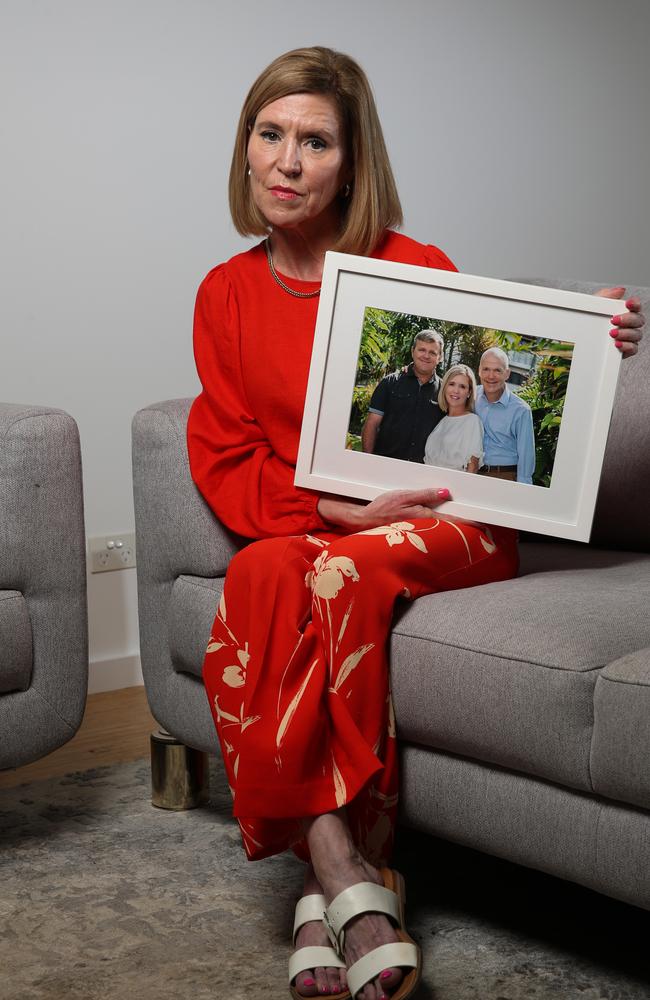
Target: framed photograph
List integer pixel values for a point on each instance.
(501, 392)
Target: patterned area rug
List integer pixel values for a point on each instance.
(104, 897)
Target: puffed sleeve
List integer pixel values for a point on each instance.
(246, 484)
(435, 257)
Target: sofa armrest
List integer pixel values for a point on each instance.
(43, 565)
(176, 530)
(176, 534)
(620, 748)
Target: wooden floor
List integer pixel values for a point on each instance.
(115, 727)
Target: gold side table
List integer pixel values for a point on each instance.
(179, 774)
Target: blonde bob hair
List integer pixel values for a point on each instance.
(469, 375)
(373, 203)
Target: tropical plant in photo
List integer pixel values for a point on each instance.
(545, 391)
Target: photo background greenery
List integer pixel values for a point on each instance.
(386, 346)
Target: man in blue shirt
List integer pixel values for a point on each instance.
(508, 441)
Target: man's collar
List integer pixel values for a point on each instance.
(504, 398)
(411, 371)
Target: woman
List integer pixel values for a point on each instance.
(296, 670)
(457, 441)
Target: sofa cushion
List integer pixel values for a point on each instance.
(15, 642)
(620, 755)
(193, 605)
(505, 673)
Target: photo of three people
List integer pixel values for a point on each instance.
(487, 402)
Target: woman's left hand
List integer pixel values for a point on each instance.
(627, 326)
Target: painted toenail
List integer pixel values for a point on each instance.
(386, 974)
(308, 982)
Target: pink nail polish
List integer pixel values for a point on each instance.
(443, 494)
(386, 974)
(616, 319)
(619, 343)
(613, 333)
(308, 982)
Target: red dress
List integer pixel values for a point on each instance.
(296, 669)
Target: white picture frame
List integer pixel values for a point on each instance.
(350, 284)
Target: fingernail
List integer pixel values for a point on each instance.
(619, 343)
(308, 982)
(613, 333)
(443, 494)
(386, 974)
(616, 319)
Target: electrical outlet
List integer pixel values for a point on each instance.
(108, 552)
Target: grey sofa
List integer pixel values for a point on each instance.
(43, 607)
(523, 707)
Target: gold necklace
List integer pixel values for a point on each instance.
(280, 282)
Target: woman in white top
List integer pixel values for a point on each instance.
(457, 441)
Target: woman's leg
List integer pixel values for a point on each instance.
(260, 649)
(338, 864)
(300, 694)
(355, 584)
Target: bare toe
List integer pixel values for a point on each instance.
(306, 984)
(389, 980)
(333, 980)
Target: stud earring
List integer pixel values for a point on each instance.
(346, 191)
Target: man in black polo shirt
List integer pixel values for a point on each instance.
(403, 409)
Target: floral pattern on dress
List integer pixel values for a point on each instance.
(298, 675)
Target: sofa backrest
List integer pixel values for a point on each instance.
(621, 517)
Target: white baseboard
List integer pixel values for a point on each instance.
(111, 675)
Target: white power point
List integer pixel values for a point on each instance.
(108, 552)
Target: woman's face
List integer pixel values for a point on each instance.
(457, 391)
(298, 160)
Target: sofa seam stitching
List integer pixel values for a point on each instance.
(501, 656)
(193, 583)
(33, 416)
(623, 680)
(52, 707)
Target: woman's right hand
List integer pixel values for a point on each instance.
(388, 508)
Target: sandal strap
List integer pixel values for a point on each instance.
(387, 956)
(308, 908)
(364, 897)
(313, 957)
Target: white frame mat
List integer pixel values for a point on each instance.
(350, 284)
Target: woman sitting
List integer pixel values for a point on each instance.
(296, 669)
(457, 441)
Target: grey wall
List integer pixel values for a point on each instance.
(518, 131)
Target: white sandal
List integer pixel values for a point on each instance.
(367, 897)
(314, 956)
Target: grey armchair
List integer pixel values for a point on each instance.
(523, 707)
(43, 606)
